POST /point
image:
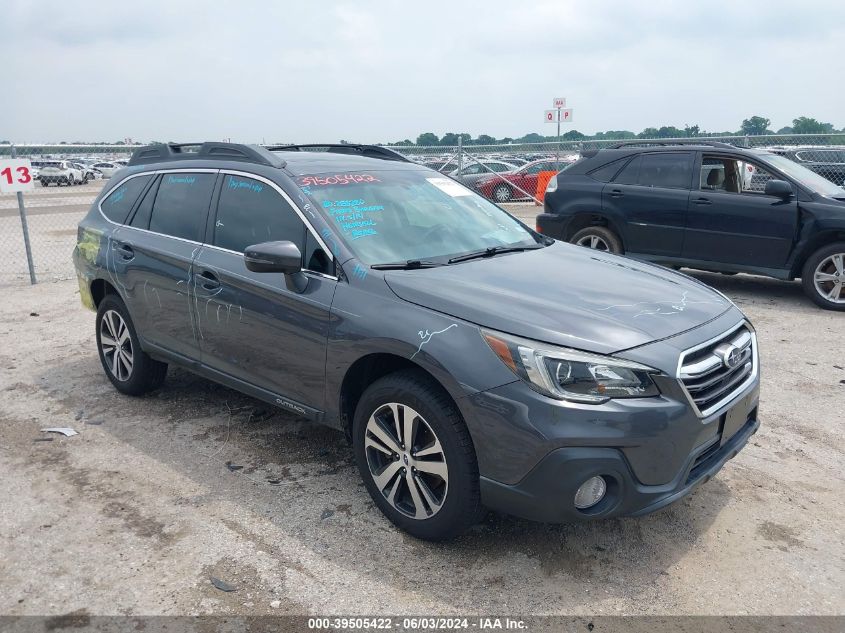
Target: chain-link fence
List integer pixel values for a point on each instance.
(68, 178)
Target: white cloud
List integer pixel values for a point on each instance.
(376, 70)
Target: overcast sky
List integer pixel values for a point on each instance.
(321, 71)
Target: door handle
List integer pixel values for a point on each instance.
(209, 280)
(616, 193)
(125, 251)
(702, 201)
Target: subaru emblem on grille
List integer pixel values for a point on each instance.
(730, 355)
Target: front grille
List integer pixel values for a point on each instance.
(712, 373)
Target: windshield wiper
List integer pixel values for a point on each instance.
(490, 251)
(410, 264)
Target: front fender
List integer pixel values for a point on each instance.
(368, 318)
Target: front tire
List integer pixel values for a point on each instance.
(127, 366)
(598, 238)
(823, 277)
(416, 457)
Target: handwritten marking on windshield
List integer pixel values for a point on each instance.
(426, 336)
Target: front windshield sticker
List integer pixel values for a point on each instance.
(447, 185)
(334, 179)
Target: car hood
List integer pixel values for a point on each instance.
(565, 295)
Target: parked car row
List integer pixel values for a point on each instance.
(76, 171)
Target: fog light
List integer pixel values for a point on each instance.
(590, 493)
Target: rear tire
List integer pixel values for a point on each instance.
(823, 277)
(598, 238)
(127, 366)
(502, 193)
(438, 461)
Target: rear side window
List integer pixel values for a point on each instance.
(119, 202)
(605, 173)
(141, 218)
(251, 212)
(630, 174)
(181, 205)
(669, 170)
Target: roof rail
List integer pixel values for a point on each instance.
(370, 151)
(691, 141)
(162, 152)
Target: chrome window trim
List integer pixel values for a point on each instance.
(204, 170)
(755, 366)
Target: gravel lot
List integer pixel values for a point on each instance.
(156, 495)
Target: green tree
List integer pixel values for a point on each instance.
(485, 139)
(573, 135)
(428, 138)
(755, 126)
(532, 137)
(691, 130)
(806, 125)
(786, 130)
(649, 132)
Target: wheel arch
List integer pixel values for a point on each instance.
(99, 289)
(364, 372)
(820, 240)
(592, 218)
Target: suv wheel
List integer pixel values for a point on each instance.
(127, 366)
(823, 277)
(416, 457)
(599, 238)
(502, 193)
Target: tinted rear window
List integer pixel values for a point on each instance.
(671, 170)
(119, 202)
(181, 205)
(605, 173)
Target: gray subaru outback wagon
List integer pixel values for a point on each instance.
(471, 361)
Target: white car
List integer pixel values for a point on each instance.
(107, 168)
(60, 172)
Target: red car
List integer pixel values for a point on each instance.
(516, 185)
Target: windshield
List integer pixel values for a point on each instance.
(809, 179)
(394, 216)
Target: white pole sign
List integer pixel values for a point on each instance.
(559, 102)
(15, 175)
(566, 116)
(550, 116)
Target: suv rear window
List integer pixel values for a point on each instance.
(181, 205)
(670, 170)
(121, 199)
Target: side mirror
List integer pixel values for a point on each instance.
(778, 189)
(278, 257)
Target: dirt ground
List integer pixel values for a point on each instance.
(157, 495)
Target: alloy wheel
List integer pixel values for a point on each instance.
(116, 344)
(406, 460)
(593, 241)
(829, 278)
(502, 193)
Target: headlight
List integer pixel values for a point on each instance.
(569, 374)
(552, 186)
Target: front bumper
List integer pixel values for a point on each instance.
(534, 452)
(546, 494)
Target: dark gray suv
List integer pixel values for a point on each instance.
(471, 361)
